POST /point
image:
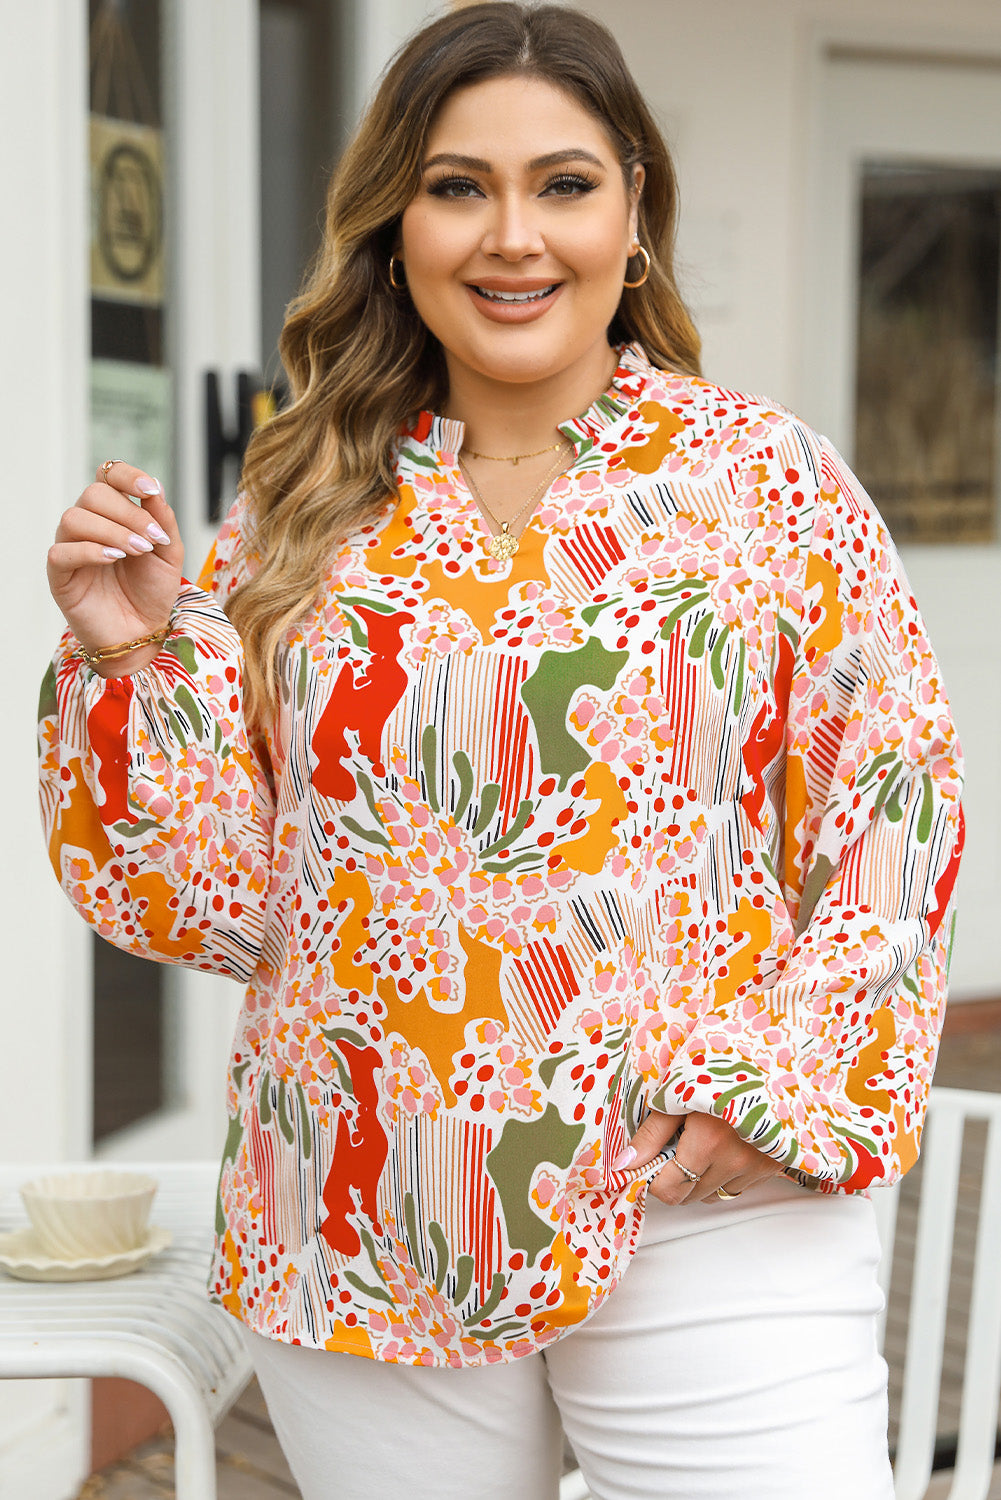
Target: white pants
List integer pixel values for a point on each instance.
(737, 1360)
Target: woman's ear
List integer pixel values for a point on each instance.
(639, 177)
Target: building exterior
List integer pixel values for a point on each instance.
(817, 142)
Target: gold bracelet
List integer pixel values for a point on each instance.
(109, 653)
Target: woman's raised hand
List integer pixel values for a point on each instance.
(115, 567)
(709, 1146)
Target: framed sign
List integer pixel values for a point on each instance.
(126, 239)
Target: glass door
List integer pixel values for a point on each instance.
(131, 415)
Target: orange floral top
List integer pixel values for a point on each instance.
(662, 811)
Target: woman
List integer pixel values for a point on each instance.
(554, 747)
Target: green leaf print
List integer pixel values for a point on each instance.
(872, 770)
(370, 835)
(410, 1219)
(302, 680)
(894, 803)
(738, 676)
(48, 703)
(513, 862)
(264, 1098)
(697, 639)
(183, 648)
(359, 632)
(420, 459)
(890, 781)
(429, 757)
(716, 657)
(464, 1267)
(489, 799)
(371, 1252)
(548, 1065)
(464, 773)
(494, 1295)
(631, 1111)
(173, 722)
(185, 701)
(547, 692)
(699, 595)
(506, 839)
(927, 810)
(379, 1293)
(234, 1135)
(307, 1136)
(283, 1114)
(345, 1034)
(438, 1240)
(499, 1331)
(511, 1163)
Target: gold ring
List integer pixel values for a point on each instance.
(109, 463)
(722, 1193)
(692, 1176)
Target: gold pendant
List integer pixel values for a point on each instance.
(503, 545)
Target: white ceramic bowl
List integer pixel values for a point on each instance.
(77, 1214)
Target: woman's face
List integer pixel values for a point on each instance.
(522, 197)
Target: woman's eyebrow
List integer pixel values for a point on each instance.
(477, 163)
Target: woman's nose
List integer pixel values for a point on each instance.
(514, 229)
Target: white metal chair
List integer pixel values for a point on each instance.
(942, 1146)
(156, 1327)
(949, 1111)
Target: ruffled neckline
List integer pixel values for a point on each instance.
(443, 436)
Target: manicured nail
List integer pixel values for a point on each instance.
(148, 487)
(624, 1159)
(140, 544)
(157, 532)
(113, 553)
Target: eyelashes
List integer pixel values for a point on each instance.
(572, 185)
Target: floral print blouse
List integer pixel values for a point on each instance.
(663, 811)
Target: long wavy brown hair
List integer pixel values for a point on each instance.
(358, 359)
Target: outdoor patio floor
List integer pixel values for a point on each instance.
(252, 1467)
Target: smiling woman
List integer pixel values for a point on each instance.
(504, 238)
(553, 746)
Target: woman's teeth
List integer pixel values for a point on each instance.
(518, 296)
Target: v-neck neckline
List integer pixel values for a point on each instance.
(441, 439)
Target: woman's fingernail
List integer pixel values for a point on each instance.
(148, 487)
(114, 553)
(140, 544)
(624, 1159)
(157, 532)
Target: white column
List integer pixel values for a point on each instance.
(378, 27)
(45, 995)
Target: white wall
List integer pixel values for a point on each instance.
(735, 85)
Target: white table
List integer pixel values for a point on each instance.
(155, 1326)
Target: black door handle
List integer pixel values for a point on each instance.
(254, 403)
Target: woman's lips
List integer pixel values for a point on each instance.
(514, 312)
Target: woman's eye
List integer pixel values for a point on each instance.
(569, 185)
(453, 187)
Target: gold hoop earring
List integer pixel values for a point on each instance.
(646, 269)
(398, 286)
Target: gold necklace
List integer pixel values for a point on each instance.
(514, 458)
(502, 544)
